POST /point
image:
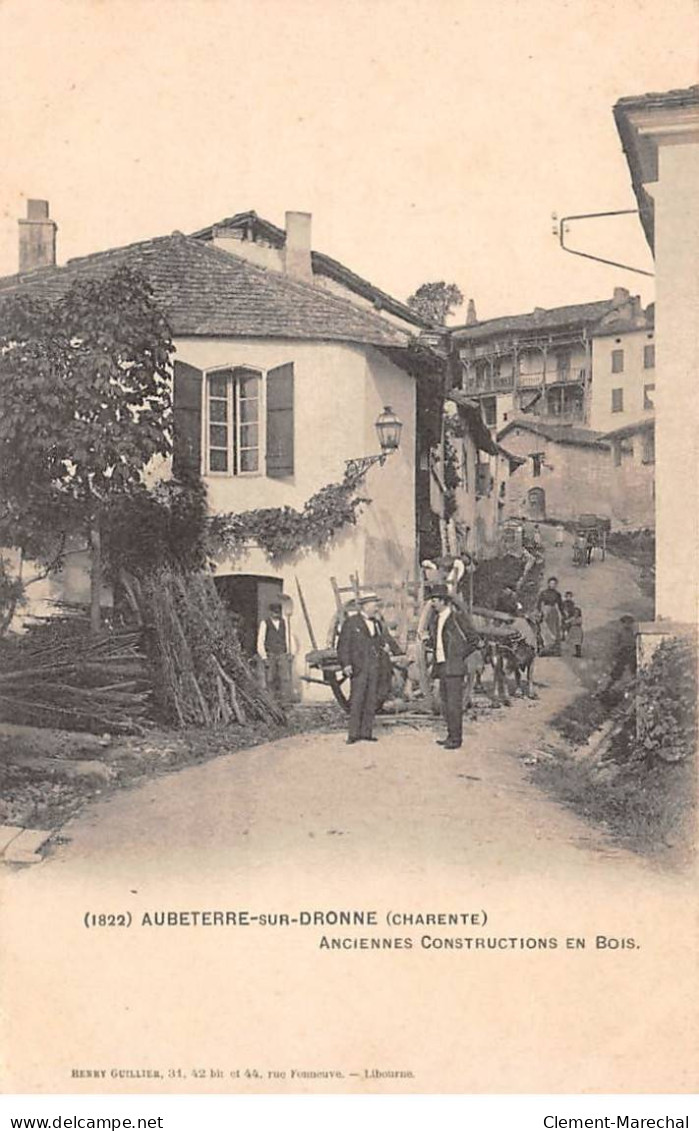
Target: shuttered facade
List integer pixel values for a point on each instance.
(188, 404)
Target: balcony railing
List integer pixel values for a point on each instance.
(495, 383)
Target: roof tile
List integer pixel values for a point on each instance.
(205, 291)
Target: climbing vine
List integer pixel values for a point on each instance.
(282, 532)
(453, 430)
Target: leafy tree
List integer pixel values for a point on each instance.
(84, 384)
(436, 301)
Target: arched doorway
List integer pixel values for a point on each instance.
(536, 503)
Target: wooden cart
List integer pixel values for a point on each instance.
(590, 534)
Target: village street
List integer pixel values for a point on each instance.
(311, 800)
(308, 825)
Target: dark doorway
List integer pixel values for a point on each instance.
(247, 596)
(537, 503)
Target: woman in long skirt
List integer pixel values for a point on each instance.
(550, 605)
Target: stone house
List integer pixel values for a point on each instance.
(623, 367)
(632, 486)
(566, 470)
(538, 364)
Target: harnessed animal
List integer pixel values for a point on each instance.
(513, 653)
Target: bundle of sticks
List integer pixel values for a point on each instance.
(201, 675)
(62, 677)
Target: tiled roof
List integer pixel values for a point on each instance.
(479, 429)
(647, 424)
(322, 264)
(665, 100)
(204, 291)
(661, 100)
(580, 314)
(557, 433)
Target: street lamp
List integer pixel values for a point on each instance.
(388, 430)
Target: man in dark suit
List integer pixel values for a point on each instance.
(359, 650)
(453, 641)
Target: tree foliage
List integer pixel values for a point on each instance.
(84, 385)
(436, 301)
(667, 697)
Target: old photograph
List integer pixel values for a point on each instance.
(349, 520)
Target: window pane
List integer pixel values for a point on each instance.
(249, 410)
(248, 436)
(218, 410)
(248, 384)
(218, 460)
(249, 460)
(218, 384)
(218, 436)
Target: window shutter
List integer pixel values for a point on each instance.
(280, 421)
(187, 392)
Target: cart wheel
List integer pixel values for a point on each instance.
(340, 686)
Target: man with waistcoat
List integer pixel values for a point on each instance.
(359, 649)
(453, 641)
(273, 650)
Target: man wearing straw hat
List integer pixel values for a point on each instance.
(359, 649)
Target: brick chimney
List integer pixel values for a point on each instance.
(297, 252)
(621, 296)
(37, 237)
(471, 316)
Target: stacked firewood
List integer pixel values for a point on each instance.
(59, 675)
(182, 665)
(202, 677)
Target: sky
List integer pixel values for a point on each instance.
(430, 139)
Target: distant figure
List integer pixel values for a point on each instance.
(575, 631)
(590, 543)
(273, 650)
(537, 540)
(550, 605)
(580, 549)
(568, 612)
(560, 535)
(359, 650)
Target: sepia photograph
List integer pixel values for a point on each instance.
(349, 528)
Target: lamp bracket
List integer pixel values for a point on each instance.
(357, 468)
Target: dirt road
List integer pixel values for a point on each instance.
(307, 826)
(405, 800)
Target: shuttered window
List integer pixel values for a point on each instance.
(187, 398)
(249, 419)
(233, 421)
(280, 422)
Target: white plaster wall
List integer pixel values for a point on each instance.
(505, 409)
(632, 380)
(677, 388)
(339, 391)
(389, 522)
(329, 415)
